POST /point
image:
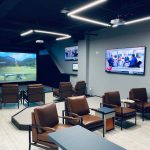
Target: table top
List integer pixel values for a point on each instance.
(127, 101)
(105, 110)
(46, 89)
(79, 138)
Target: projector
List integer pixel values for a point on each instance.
(117, 22)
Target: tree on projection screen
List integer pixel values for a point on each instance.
(17, 67)
(126, 60)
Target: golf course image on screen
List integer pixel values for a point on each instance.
(17, 67)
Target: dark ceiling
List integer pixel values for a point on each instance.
(17, 16)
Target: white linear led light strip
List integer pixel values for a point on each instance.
(90, 20)
(63, 36)
(27, 33)
(72, 13)
(137, 20)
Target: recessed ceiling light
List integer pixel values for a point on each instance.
(39, 41)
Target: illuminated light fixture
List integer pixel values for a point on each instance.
(91, 20)
(137, 20)
(63, 36)
(39, 41)
(26, 33)
(86, 7)
(115, 26)
(49, 32)
(72, 13)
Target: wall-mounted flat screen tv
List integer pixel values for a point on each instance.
(75, 66)
(71, 53)
(17, 67)
(126, 60)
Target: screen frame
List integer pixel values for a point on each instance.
(73, 67)
(77, 51)
(145, 49)
(22, 51)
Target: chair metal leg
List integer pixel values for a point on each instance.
(29, 146)
(143, 115)
(103, 132)
(63, 116)
(135, 119)
(121, 123)
(29, 137)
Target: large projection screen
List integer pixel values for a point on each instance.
(17, 67)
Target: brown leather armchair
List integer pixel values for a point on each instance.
(80, 88)
(78, 108)
(34, 93)
(64, 91)
(139, 95)
(112, 100)
(44, 121)
(10, 93)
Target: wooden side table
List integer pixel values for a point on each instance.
(108, 114)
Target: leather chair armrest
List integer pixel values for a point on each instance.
(48, 129)
(93, 109)
(72, 116)
(138, 101)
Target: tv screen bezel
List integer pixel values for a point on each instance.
(124, 72)
(72, 58)
(23, 51)
(73, 67)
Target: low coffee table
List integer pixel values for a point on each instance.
(108, 114)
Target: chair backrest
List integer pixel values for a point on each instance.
(10, 93)
(80, 88)
(78, 105)
(138, 93)
(65, 89)
(35, 92)
(112, 98)
(46, 115)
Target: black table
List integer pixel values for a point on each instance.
(46, 89)
(79, 138)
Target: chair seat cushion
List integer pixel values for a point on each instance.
(89, 120)
(126, 112)
(61, 126)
